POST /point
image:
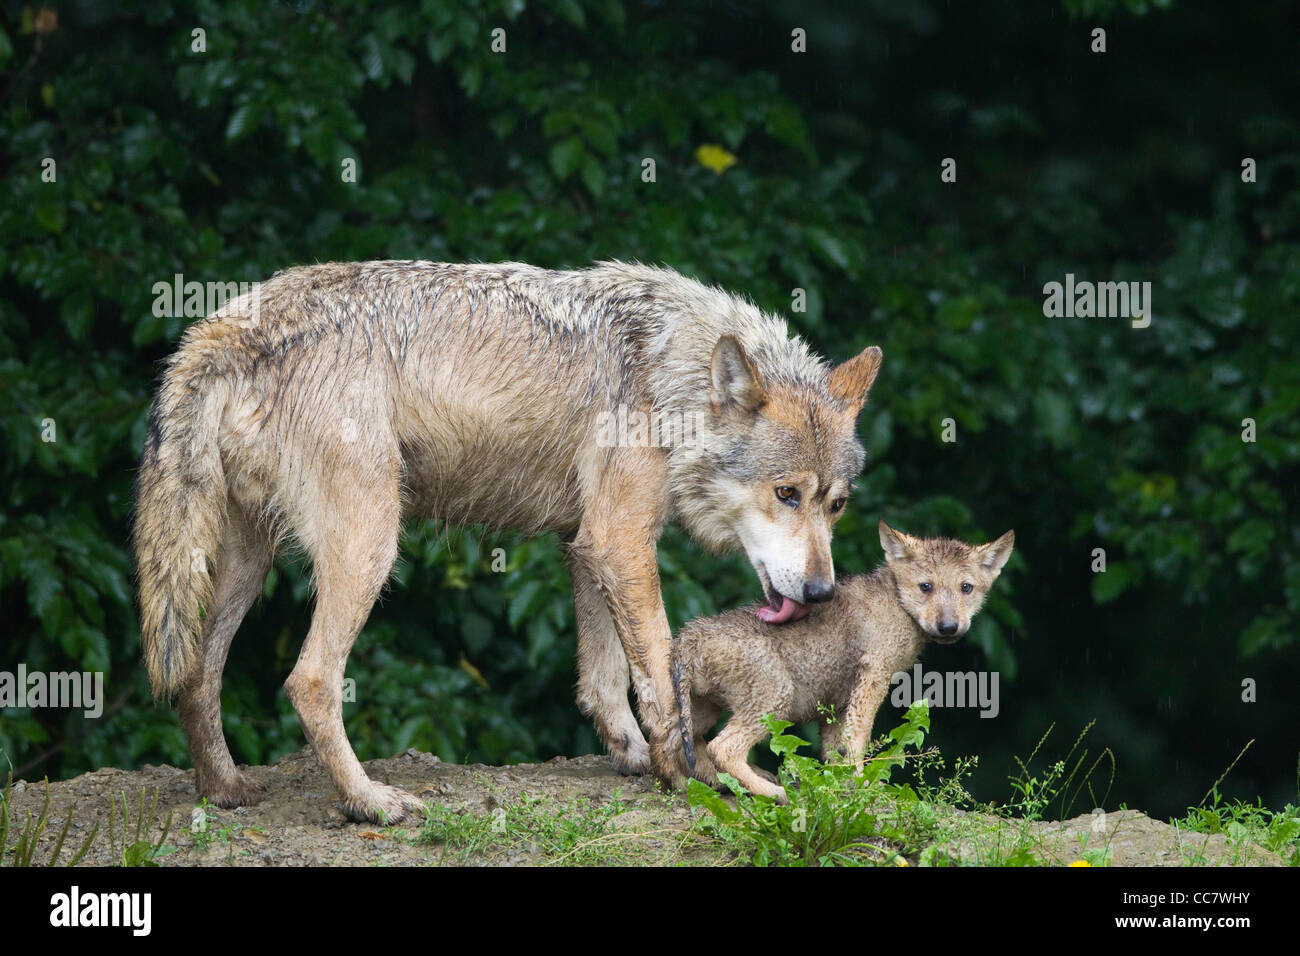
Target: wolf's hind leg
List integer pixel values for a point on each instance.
(240, 572)
(354, 520)
(604, 677)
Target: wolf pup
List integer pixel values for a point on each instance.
(332, 402)
(841, 655)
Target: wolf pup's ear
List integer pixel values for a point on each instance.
(852, 380)
(994, 555)
(735, 382)
(898, 546)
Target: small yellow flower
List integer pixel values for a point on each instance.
(715, 157)
(1080, 863)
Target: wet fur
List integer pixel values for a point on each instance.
(841, 656)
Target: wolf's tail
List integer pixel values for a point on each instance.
(180, 516)
(685, 718)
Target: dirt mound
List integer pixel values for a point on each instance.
(564, 811)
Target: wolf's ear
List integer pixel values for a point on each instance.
(735, 381)
(852, 380)
(994, 555)
(898, 546)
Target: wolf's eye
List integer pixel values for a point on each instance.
(837, 504)
(787, 494)
(967, 587)
(926, 587)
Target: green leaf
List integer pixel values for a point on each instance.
(701, 795)
(827, 246)
(593, 176)
(571, 12)
(439, 45)
(522, 603)
(241, 122)
(566, 155)
(1109, 584)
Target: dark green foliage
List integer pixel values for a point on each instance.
(1079, 433)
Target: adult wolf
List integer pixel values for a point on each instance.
(334, 401)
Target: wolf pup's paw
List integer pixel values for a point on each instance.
(705, 772)
(766, 775)
(386, 806)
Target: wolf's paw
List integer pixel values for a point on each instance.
(240, 791)
(386, 806)
(668, 762)
(631, 755)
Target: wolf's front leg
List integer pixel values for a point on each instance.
(870, 684)
(616, 544)
(603, 675)
(630, 582)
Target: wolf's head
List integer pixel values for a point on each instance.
(941, 581)
(780, 459)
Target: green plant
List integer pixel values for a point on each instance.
(835, 815)
(23, 850)
(133, 846)
(1245, 825)
(203, 830)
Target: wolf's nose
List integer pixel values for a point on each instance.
(947, 628)
(814, 591)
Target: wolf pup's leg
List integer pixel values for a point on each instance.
(240, 572)
(603, 675)
(870, 684)
(730, 749)
(352, 536)
(704, 716)
(830, 740)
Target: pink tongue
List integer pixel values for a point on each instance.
(790, 611)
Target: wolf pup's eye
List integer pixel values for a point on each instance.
(837, 504)
(926, 587)
(967, 587)
(787, 494)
